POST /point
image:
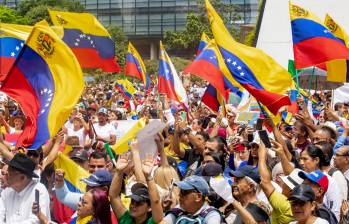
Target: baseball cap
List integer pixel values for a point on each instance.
(194, 183)
(247, 171)
(139, 193)
(103, 110)
(98, 178)
(317, 177)
(79, 154)
(212, 169)
(293, 179)
(302, 192)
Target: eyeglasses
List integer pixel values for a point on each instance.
(337, 154)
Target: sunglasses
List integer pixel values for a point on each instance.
(187, 192)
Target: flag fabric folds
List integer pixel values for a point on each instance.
(203, 43)
(254, 70)
(42, 77)
(135, 66)
(169, 82)
(88, 39)
(125, 87)
(206, 66)
(73, 173)
(121, 145)
(313, 43)
(338, 70)
(212, 98)
(12, 38)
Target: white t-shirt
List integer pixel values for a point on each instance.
(317, 221)
(105, 131)
(333, 197)
(79, 133)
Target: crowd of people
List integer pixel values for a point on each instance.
(208, 167)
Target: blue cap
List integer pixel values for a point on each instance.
(194, 183)
(247, 171)
(316, 177)
(103, 110)
(99, 178)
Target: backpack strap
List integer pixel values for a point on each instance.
(207, 211)
(331, 171)
(176, 212)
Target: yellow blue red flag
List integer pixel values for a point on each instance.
(125, 87)
(73, 173)
(135, 66)
(253, 69)
(46, 80)
(12, 38)
(313, 43)
(88, 39)
(169, 82)
(203, 43)
(337, 70)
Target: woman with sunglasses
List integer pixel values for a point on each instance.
(302, 200)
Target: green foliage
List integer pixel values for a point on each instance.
(196, 24)
(120, 39)
(37, 10)
(250, 37)
(151, 66)
(8, 15)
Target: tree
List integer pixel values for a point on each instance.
(8, 15)
(120, 39)
(197, 23)
(37, 10)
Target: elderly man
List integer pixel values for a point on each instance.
(341, 160)
(192, 205)
(17, 200)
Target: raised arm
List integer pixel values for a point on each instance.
(265, 184)
(115, 188)
(155, 202)
(137, 162)
(285, 163)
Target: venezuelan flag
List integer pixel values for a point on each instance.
(125, 87)
(293, 108)
(73, 173)
(254, 70)
(46, 80)
(212, 98)
(313, 43)
(168, 80)
(135, 66)
(203, 43)
(338, 70)
(209, 65)
(12, 38)
(88, 39)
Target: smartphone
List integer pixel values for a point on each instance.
(37, 193)
(263, 135)
(259, 124)
(250, 137)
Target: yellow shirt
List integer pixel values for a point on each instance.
(282, 213)
(183, 147)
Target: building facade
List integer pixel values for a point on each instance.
(145, 21)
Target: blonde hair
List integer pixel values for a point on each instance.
(163, 176)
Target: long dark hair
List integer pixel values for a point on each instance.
(101, 206)
(315, 152)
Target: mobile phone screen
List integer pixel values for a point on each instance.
(37, 193)
(263, 135)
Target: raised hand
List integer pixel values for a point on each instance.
(277, 147)
(148, 165)
(123, 162)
